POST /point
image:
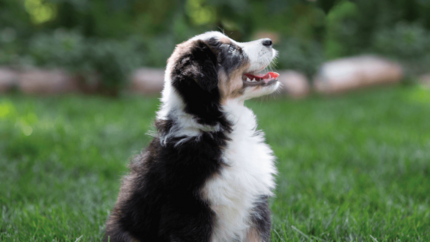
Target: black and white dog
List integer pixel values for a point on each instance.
(207, 174)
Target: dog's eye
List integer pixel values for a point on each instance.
(232, 49)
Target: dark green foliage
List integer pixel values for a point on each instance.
(59, 48)
(411, 41)
(309, 31)
(113, 62)
(409, 44)
(303, 55)
(350, 168)
(341, 29)
(110, 61)
(353, 26)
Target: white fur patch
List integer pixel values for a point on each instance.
(248, 176)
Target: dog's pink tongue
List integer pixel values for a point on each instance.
(268, 76)
(272, 75)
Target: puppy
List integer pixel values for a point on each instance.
(207, 174)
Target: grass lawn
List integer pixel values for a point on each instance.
(351, 168)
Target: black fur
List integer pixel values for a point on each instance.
(261, 218)
(195, 77)
(164, 203)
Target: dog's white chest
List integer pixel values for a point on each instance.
(247, 176)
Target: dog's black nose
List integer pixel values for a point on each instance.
(267, 42)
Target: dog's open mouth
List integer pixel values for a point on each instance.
(260, 79)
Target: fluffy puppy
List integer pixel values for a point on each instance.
(207, 174)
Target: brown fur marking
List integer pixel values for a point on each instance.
(231, 86)
(253, 236)
(225, 40)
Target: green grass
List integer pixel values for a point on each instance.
(351, 168)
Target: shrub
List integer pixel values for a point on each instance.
(300, 55)
(110, 61)
(406, 43)
(58, 49)
(10, 46)
(341, 31)
(409, 41)
(113, 62)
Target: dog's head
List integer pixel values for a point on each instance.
(208, 70)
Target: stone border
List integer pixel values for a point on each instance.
(353, 73)
(144, 81)
(334, 77)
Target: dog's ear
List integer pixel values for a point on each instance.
(195, 78)
(197, 65)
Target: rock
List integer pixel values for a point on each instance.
(294, 84)
(46, 82)
(147, 81)
(355, 73)
(8, 79)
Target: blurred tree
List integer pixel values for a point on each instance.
(341, 27)
(13, 15)
(326, 5)
(40, 11)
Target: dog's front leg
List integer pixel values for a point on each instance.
(188, 220)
